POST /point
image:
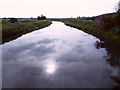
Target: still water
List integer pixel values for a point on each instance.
(57, 56)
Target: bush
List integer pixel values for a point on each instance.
(41, 17)
(107, 22)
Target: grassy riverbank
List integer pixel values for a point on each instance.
(11, 31)
(110, 36)
(94, 28)
(108, 32)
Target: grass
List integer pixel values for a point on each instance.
(11, 31)
(110, 37)
(94, 28)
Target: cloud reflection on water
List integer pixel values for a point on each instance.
(56, 56)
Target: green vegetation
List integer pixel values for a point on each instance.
(11, 31)
(41, 17)
(105, 30)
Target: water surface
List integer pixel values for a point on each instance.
(57, 56)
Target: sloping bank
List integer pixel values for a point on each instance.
(110, 37)
(12, 31)
(94, 28)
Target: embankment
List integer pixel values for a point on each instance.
(94, 28)
(12, 31)
(110, 38)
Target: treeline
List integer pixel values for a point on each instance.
(19, 20)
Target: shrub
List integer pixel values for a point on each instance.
(41, 17)
(107, 22)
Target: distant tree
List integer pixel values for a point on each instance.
(118, 7)
(38, 18)
(41, 17)
(78, 17)
(13, 20)
(117, 16)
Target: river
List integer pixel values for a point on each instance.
(57, 56)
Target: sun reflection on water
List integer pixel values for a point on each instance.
(51, 66)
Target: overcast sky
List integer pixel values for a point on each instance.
(55, 8)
